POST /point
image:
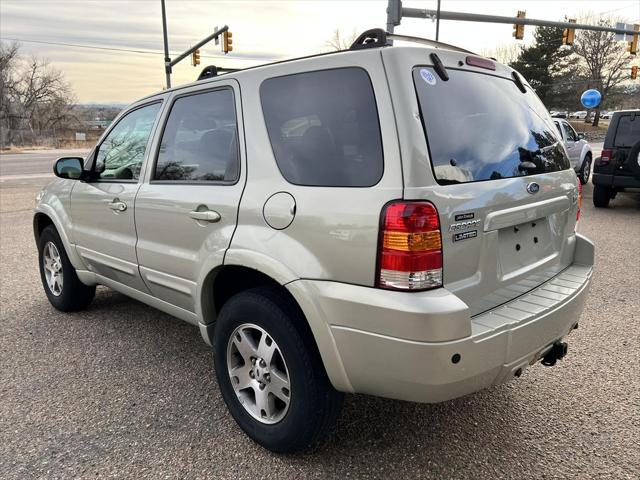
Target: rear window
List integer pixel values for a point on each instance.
(628, 131)
(482, 127)
(324, 128)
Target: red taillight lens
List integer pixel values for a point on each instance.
(410, 250)
(605, 156)
(579, 201)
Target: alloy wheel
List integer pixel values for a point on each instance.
(258, 373)
(52, 263)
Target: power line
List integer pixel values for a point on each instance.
(116, 49)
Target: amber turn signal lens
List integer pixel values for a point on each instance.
(412, 242)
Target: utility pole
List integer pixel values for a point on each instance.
(438, 22)
(167, 60)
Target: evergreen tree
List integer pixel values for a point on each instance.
(544, 61)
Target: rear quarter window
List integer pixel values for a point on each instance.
(323, 127)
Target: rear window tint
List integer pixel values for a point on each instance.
(482, 127)
(324, 127)
(628, 131)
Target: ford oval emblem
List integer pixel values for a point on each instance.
(533, 188)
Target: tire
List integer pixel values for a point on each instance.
(585, 170)
(601, 196)
(313, 404)
(68, 294)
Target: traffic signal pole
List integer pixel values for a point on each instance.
(395, 12)
(167, 60)
(168, 63)
(186, 53)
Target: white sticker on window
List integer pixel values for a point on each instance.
(427, 76)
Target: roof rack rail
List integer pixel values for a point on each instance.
(376, 38)
(373, 38)
(426, 41)
(211, 71)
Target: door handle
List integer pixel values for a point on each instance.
(205, 216)
(117, 205)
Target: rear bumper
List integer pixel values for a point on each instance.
(618, 181)
(428, 358)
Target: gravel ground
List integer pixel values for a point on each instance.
(122, 390)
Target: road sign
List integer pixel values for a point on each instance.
(590, 98)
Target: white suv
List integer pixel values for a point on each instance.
(395, 221)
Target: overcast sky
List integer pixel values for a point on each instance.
(262, 31)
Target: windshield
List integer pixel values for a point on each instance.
(482, 127)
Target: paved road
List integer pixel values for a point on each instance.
(32, 164)
(122, 390)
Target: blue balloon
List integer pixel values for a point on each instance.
(590, 98)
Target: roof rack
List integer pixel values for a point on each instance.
(211, 71)
(376, 38)
(373, 38)
(426, 41)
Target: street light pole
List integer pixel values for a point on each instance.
(167, 60)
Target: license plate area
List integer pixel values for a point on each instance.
(524, 245)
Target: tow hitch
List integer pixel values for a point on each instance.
(557, 352)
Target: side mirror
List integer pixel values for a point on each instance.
(581, 136)
(69, 167)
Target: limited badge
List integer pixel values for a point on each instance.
(464, 235)
(427, 76)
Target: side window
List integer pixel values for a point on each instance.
(200, 140)
(571, 133)
(121, 153)
(324, 128)
(559, 129)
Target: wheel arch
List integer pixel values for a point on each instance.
(224, 281)
(586, 150)
(41, 220)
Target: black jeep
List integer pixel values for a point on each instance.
(618, 167)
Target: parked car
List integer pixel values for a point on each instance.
(618, 167)
(559, 114)
(606, 115)
(578, 149)
(580, 114)
(327, 238)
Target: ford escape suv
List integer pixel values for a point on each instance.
(389, 220)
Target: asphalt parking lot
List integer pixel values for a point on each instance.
(123, 390)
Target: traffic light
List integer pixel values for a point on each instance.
(632, 48)
(518, 30)
(195, 58)
(634, 72)
(568, 35)
(227, 41)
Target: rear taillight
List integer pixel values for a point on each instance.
(410, 247)
(605, 156)
(579, 201)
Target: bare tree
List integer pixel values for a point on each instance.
(506, 53)
(602, 58)
(340, 41)
(35, 96)
(8, 80)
